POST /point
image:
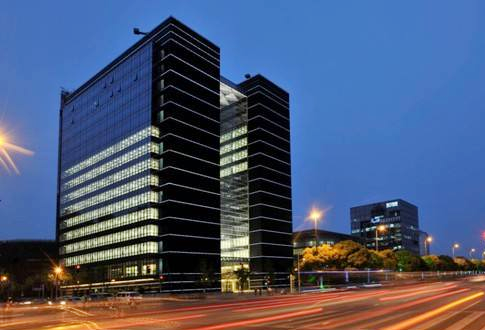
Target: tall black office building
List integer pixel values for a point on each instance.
(139, 180)
(397, 219)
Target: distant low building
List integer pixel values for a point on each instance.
(307, 238)
(26, 264)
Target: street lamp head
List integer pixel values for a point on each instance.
(381, 228)
(472, 250)
(4, 278)
(456, 245)
(429, 239)
(315, 214)
(58, 270)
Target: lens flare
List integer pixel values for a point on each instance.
(6, 160)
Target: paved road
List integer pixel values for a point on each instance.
(427, 306)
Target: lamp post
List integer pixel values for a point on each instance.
(427, 242)
(453, 248)
(315, 215)
(380, 228)
(3, 282)
(57, 273)
(472, 251)
(298, 270)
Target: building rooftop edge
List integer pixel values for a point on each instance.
(385, 201)
(68, 96)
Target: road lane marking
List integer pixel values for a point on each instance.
(463, 323)
(428, 315)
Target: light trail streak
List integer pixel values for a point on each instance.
(260, 320)
(126, 325)
(428, 315)
(338, 322)
(315, 301)
(416, 293)
(248, 303)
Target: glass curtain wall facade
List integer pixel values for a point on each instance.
(138, 178)
(234, 187)
(256, 215)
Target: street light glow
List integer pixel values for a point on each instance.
(315, 214)
(381, 228)
(429, 239)
(6, 147)
(456, 245)
(58, 270)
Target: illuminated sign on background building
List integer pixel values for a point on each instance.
(392, 204)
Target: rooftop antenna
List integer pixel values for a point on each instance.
(137, 31)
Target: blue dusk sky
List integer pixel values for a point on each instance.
(387, 98)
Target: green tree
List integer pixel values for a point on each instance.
(464, 263)
(409, 262)
(322, 257)
(359, 259)
(376, 260)
(389, 260)
(447, 263)
(350, 254)
(478, 264)
(433, 262)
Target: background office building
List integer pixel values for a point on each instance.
(256, 206)
(139, 183)
(399, 220)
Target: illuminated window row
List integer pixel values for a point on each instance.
(234, 169)
(112, 193)
(132, 271)
(117, 162)
(123, 144)
(121, 252)
(133, 233)
(234, 133)
(146, 197)
(234, 145)
(234, 157)
(237, 242)
(109, 180)
(123, 220)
